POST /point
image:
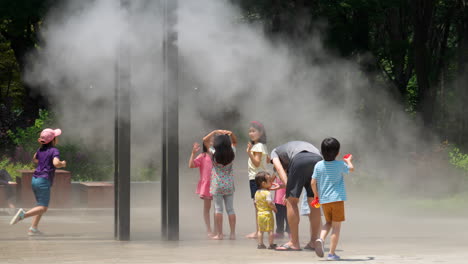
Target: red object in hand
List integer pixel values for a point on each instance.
(346, 156)
(315, 203)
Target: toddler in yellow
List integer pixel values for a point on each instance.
(265, 208)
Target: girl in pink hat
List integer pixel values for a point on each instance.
(47, 160)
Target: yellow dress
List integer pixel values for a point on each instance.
(265, 217)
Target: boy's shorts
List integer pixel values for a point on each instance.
(300, 172)
(334, 212)
(41, 189)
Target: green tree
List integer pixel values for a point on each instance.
(19, 24)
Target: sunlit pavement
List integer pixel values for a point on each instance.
(86, 236)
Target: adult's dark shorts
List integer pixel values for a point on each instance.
(300, 173)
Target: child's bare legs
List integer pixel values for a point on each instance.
(260, 238)
(37, 212)
(218, 226)
(335, 236)
(335, 227)
(325, 229)
(271, 238)
(254, 235)
(206, 215)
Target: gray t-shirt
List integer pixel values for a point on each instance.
(286, 152)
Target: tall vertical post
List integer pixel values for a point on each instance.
(122, 140)
(170, 147)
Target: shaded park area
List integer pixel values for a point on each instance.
(134, 84)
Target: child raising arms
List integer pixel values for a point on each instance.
(222, 179)
(328, 184)
(204, 163)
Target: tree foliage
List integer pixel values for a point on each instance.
(420, 47)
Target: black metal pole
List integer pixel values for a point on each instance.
(170, 182)
(122, 148)
(116, 151)
(164, 151)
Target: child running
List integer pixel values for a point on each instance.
(258, 156)
(328, 176)
(222, 180)
(47, 159)
(204, 163)
(265, 208)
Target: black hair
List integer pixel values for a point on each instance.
(259, 126)
(48, 145)
(260, 178)
(223, 150)
(205, 150)
(330, 148)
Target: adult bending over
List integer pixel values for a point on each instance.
(295, 162)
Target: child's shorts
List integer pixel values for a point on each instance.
(266, 221)
(334, 212)
(41, 189)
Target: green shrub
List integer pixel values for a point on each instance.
(86, 164)
(26, 138)
(459, 159)
(13, 167)
(141, 173)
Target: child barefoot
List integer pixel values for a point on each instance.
(258, 156)
(265, 209)
(222, 180)
(204, 163)
(47, 159)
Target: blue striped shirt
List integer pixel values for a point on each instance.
(330, 181)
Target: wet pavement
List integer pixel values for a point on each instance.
(86, 236)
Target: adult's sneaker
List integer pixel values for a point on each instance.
(333, 257)
(319, 248)
(18, 216)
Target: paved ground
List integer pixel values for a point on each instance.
(84, 236)
(372, 233)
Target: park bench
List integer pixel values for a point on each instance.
(97, 194)
(60, 193)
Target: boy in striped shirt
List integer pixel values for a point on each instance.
(328, 177)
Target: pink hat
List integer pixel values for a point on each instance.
(48, 134)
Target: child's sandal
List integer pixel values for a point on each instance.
(261, 246)
(272, 246)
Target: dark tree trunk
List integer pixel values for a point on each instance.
(398, 32)
(422, 16)
(462, 81)
(33, 100)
